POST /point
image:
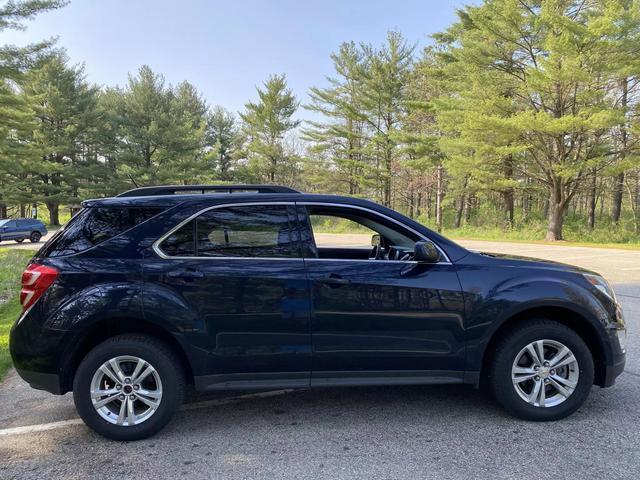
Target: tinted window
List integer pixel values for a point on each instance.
(249, 231)
(92, 226)
(180, 243)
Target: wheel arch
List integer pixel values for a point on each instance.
(564, 315)
(107, 328)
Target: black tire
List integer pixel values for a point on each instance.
(19, 240)
(35, 237)
(500, 376)
(166, 364)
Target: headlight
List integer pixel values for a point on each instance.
(601, 284)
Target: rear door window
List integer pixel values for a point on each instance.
(92, 226)
(240, 231)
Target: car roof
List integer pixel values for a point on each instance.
(453, 250)
(215, 198)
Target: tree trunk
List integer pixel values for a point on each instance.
(508, 195)
(558, 202)
(556, 219)
(468, 205)
(439, 196)
(54, 218)
(459, 212)
(509, 207)
(3, 210)
(592, 200)
(526, 204)
(618, 186)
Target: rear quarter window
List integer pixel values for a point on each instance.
(93, 226)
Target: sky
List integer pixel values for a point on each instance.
(228, 47)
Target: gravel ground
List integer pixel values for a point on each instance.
(385, 433)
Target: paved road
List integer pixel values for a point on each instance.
(26, 245)
(386, 433)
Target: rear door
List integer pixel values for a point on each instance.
(24, 228)
(379, 320)
(239, 268)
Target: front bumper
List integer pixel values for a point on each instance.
(49, 382)
(613, 371)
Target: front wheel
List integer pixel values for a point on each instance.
(542, 370)
(35, 237)
(128, 387)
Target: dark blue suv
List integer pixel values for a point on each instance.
(237, 287)
(19, 229)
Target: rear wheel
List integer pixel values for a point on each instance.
(541, 370)
(19, 240)
(128, 387)
(35, 237)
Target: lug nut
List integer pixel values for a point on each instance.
(121, 397)
(537, 378)
(136, 387)
(127, 380)
(536, 368)
(118, 387)
(546, 364)
(552, 372)
(546, 380)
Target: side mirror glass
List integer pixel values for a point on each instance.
(375, 240)
(426, 251)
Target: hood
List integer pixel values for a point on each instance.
(529, 262)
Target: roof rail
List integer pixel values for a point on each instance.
(202, 189)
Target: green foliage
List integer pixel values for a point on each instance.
(225, 140)
(266, 122)
(156, 132)
(12, 264)
(522, 118)
(528, 87)
(364, 105)
(64, 109)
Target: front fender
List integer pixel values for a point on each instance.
(487, 310)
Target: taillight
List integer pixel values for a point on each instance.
(35, 281)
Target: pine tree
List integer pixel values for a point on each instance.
(266, 122)
(154, 132)
(15, 114)
(341, 137)
(531, 80)
(224, 140)
(383, 105)
(64, 105)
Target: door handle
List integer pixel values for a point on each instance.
(186, 274)
(334, 281)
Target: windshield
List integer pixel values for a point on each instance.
(2, 222)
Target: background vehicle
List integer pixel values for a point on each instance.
(234, 289)
(19, 229)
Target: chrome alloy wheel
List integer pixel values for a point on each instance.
(545, 373)
(126, 390)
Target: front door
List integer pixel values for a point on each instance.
(378, 317)
(239, 268)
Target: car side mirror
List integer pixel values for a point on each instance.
(375, 240)
(426, 251)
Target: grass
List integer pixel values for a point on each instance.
(12, 263)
